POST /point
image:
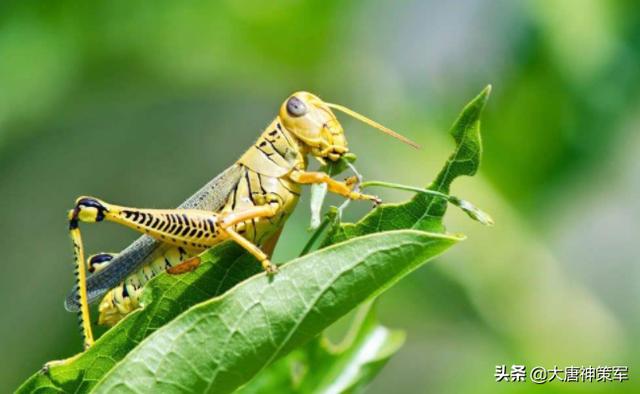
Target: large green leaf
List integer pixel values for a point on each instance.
(321, 367)
(166, 297)
(222, 343)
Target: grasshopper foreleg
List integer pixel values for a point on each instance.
(344, 189)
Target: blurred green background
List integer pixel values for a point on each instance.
(140, 103)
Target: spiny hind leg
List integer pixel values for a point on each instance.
(95, 263)
(81, 278)
(191, 227)
(88, 210)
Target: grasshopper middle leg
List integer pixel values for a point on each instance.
(341, 188)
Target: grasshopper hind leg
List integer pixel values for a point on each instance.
(86, 209)
(192, 228)
(94, 263)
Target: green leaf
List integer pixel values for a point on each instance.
(321, 367)
(222, 343)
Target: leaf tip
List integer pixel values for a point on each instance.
(457, 237)
(487, 90)
(481, 99)
(475, 213)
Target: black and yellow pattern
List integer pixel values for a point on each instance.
(195, 231)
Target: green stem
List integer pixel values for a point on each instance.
(471, 210)
(315, 236)
(398, 186)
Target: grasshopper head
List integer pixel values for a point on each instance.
(313, 122)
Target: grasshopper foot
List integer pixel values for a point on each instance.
(269, 267)
(359, 196)
(46, 368)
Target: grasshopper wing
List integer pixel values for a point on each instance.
(211, 197)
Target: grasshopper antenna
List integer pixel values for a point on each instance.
(372, 123)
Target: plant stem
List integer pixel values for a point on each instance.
(409, 188)
(315, 236)
(471, 210)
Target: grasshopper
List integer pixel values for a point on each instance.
(248, 203)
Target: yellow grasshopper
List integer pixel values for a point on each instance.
(248, 203)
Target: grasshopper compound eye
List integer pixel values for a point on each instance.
(295, 107)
